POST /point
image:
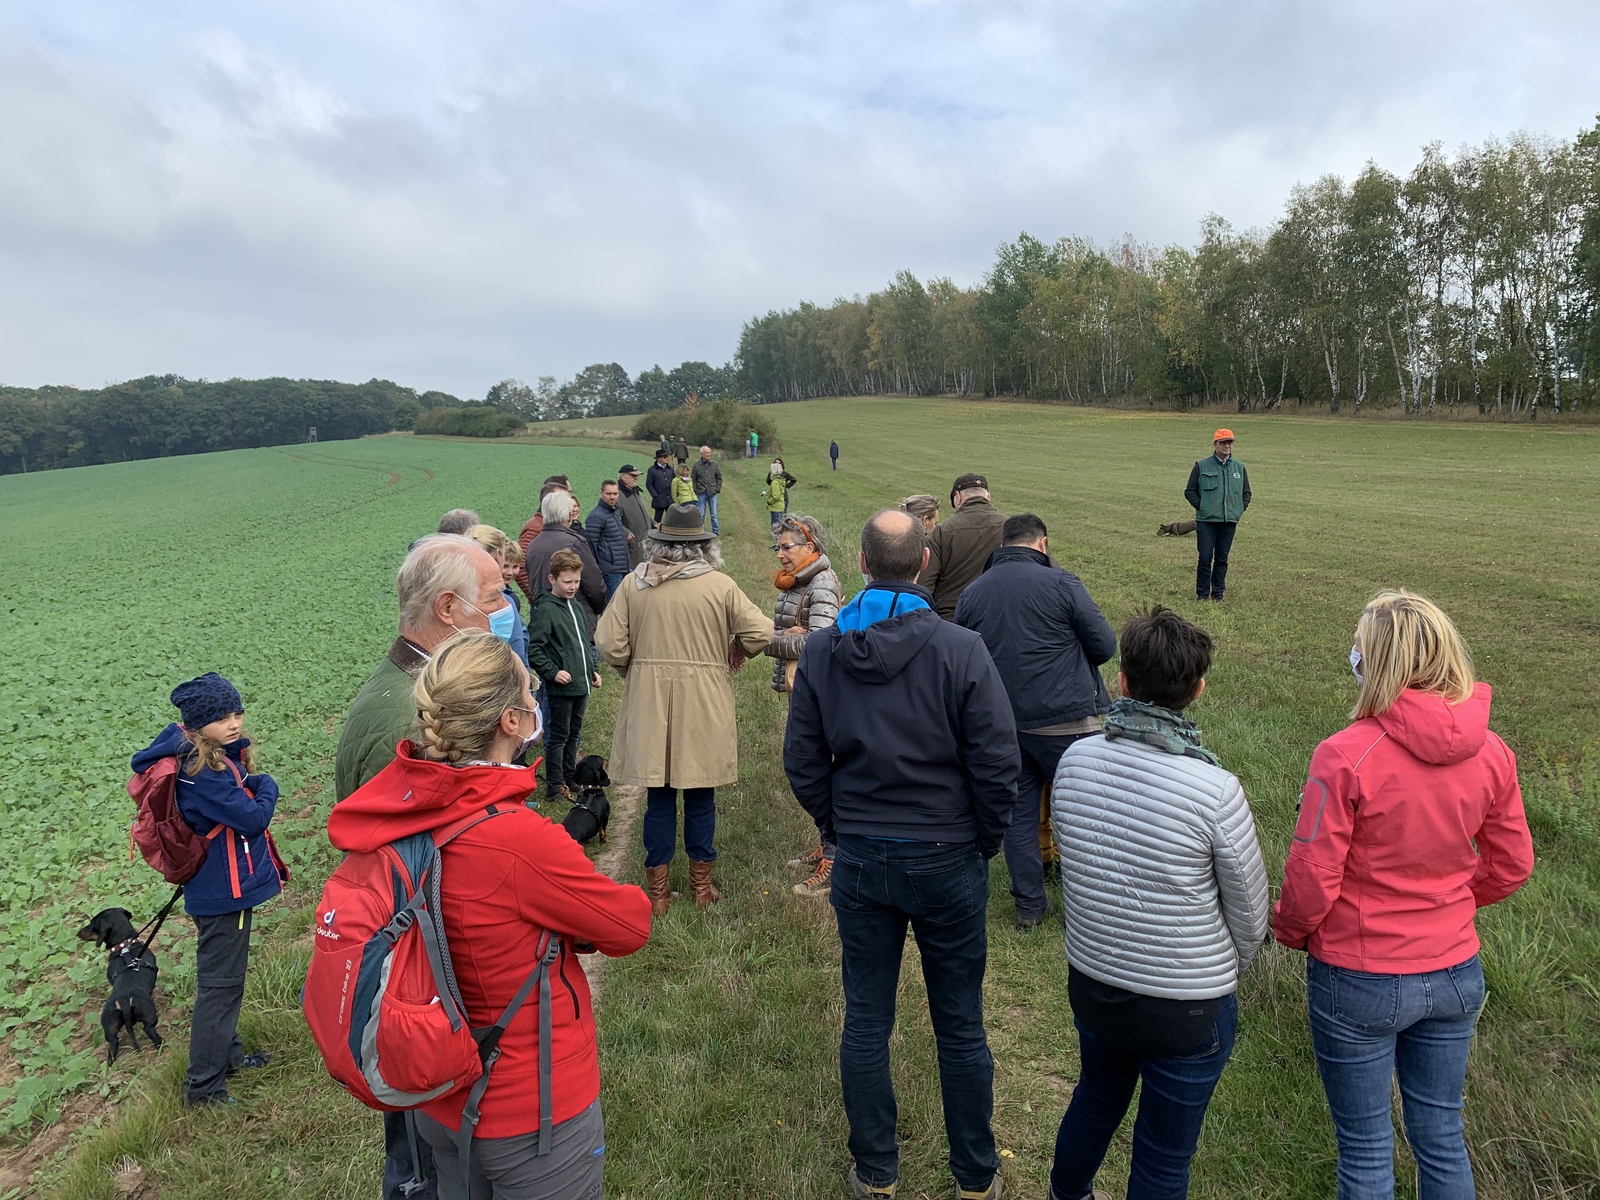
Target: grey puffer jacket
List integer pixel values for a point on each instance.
(811, 604)
(1161, 874)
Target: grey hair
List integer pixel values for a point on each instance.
(438, 563)
(458, 520)
(557, 508)
(810, 527)
(974, 493)
(682, 552)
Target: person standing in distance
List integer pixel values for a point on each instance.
(635, 517)
(707, 479)
(959, 548)
(658, 482)
(1048, 639)
(833, 453)
(1219, 492)
(900, 739)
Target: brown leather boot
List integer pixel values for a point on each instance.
(660, 889)
(700, 886)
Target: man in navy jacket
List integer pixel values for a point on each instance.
(901, 741)
(658, 482)
(1048, 638)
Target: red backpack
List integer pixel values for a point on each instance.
(167, 841)
(381, 997)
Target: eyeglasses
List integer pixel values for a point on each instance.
(791, 545)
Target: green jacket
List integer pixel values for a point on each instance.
(381, 715)
(1218, 491)
(682, 490)
(558, 640)
(777, 492)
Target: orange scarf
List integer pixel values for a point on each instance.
(784, 580)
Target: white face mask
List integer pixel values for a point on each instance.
(1355, 665)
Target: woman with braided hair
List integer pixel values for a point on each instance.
(505, 882)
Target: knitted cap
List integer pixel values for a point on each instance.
(206, 699)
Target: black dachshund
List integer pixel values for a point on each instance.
(131, 972)
(591, 811)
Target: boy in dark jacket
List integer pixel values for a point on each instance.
(231, 808)
(564, 658)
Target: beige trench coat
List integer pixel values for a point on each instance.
(676, 725)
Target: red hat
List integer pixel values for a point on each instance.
(1222, 435)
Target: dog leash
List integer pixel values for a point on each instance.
(158, 919)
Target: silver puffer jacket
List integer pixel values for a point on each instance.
(1165, 889)
(812, 603)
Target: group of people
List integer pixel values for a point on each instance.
(952, 710)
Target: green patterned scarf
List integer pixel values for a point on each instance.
(1158, 727)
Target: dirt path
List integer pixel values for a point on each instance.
(625, 804)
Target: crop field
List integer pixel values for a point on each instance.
(719, 1040)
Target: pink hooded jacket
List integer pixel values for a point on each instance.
(1410, 822)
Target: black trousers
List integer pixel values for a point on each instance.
(561, 739)
(220, 960)
(1213, 539)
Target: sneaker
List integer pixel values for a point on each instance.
(994, 1191)
(1024, 924)
(249, 1063)
(819, 882)
(208, 1101)
(810, 861)
(860, 1190)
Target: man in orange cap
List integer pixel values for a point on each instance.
(1219, 492)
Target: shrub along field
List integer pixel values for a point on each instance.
(719, 1039)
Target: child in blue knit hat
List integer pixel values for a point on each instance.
(227, 804)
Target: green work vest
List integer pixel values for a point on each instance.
(1221, 490)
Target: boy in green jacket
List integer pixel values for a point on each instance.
(562, 656)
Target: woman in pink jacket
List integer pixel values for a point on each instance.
(1410, 822)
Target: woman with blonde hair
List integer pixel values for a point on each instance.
(506, 884)
(1411, 820)
(923, 508)
(503, 548)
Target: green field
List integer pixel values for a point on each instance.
(719, 1040)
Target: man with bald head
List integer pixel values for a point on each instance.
(901, 744)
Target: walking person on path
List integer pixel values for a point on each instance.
(681, 449)
(833, 453)
(1166, 899)
(561, 532)
(443, 587)
(1410, 822)
(1048, 639)
(635, 515)
(677, 628)
(707, 479)
(900, 739)
(658, 482)
(609, 537)
(779, 481)
(959, 548)
(809, 596)
(1219, 492)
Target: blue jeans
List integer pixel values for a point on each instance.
(1040, 755)
(777, 517)
(1172, 1107)
(708, 504)
(1365, 1029)
(613, 580)
(942, 891)
(661, 824)
(1213, 539)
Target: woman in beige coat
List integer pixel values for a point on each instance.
(678, 628)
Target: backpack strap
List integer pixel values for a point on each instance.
(489, 1052)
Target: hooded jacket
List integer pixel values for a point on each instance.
(1410, 822)
(1046, 636)
(503, 882)
(239, 871)
(559, 641)
(899, 726)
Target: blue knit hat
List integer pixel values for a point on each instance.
(206, 699)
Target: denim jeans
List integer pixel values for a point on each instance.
(661, 824)
(1172, 1107)
(708, 504)
(1213, 539)
(1367, 1028)
(613, 580)
(1024, 859)
(777, 517)
(942, 891)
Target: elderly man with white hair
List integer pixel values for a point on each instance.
(446, 584)
(563, 532)
(706, 476)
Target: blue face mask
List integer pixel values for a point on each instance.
(501, 621)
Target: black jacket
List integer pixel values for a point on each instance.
(1045, 634)
(706, 477)
(609, 538)
(901, 729)
(658, 481)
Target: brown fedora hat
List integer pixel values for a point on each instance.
(682, 523)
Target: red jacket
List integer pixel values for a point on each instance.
(1409, 823)
(530, 530)
(504, 881)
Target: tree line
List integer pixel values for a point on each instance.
(607, 390)
(1472, 281)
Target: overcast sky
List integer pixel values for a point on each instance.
(447, 194)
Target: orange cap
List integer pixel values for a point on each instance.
(1222, 435)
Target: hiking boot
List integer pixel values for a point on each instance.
(994, 1191)
(810, 861)
(1025, 924)
(701, 889)
(861, 1190)
(819, 882)
(558, 791)
(660, 889)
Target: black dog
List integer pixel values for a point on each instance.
(131, 972)
(591, 811)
